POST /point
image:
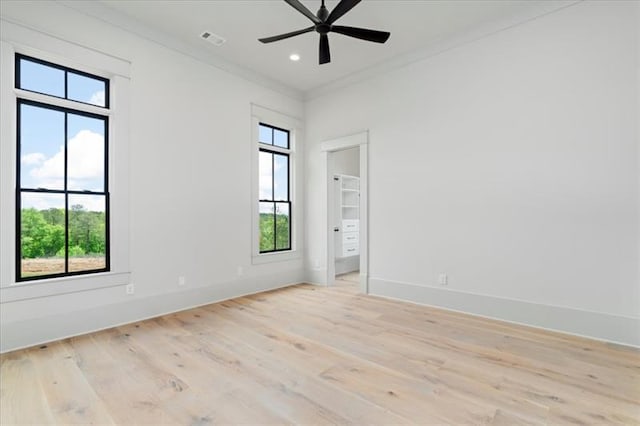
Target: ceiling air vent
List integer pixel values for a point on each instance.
(212, 38)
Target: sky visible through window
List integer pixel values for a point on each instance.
(278, 168)
(42, 139)
(45, 79)
(280, 177)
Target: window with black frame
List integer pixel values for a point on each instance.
(62, 197)
(275, 189)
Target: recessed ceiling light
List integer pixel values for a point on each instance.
(294, 57)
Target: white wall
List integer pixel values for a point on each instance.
(190, 199)
(509, 163)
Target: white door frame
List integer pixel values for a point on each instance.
(360, 140)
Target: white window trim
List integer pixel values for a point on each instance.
(294, 126)
(18, 39)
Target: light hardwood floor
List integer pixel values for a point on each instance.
(312, 355)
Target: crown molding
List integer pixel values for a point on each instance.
(106, 14)
(110, 16)
(440, 46)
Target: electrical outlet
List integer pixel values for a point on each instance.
(130, 289)
(240, 271)
(182, 281)
(443, 279)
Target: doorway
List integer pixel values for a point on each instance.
(344, 168)
(347, 211)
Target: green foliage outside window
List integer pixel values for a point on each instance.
(267, 239)
(43, 232)
(40, 238)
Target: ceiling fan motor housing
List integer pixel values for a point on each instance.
(323, 28)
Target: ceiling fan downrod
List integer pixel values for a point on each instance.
(323, 13)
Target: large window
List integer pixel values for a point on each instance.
(275, 188)
(62, 197)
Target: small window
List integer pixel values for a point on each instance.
(274, 189)
(270, 135)
(62, 197)
(50, 79)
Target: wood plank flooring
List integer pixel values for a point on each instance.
(312, 355)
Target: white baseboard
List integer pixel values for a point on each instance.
(611, 328)
(37, 331)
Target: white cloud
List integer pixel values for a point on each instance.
(52, 168)
(51, 184)
(97, 98)
(265, 176)
(42, 201)
(33, 159)
(38, 201)
(85, 161)
(92, 203)
(86, 169)
(86, 155)
(265, 165)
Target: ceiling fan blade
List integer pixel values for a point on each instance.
(302, 9)
(362, 33)
(325, 55)
(343, 7)
(287, 35)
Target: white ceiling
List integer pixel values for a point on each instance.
(414, 26)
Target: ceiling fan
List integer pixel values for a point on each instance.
(323, 24)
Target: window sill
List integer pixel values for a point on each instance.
(58, 286)
(259, 259)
